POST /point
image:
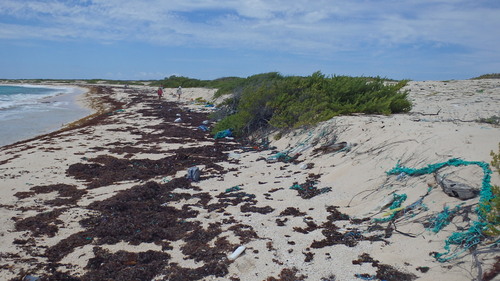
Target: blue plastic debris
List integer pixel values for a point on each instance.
(224, 134)
(203, 128)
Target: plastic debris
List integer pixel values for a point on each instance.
(306, 166)
(234, 155)
(401, 176)
(178, 120)
(395, 207)
(223, 134)
(234, 188)
(365, 276)
(398, 200)
(472, 236)
(443, 218)
(308, 190)
(236, 253)
(31, 278)
(281, 157)
(203, 128)
(263, 145)
(193, 174)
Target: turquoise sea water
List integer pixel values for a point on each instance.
(30, 110)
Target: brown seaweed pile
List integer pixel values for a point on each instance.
(67, 194)
(308, 189)
(384, 271)
(288, 274)
(167, 214)
(145, 213)
(106, 170)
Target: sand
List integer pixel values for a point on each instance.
(108, 199)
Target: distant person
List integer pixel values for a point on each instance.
(179, 93)
(160, 93)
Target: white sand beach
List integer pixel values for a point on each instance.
(107, 199)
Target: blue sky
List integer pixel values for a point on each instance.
(208, 39)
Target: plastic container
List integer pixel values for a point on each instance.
(236, 253)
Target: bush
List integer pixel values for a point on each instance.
(494, 120)
(493, 215)
(271, 99)
(223, 84)
(488, 76)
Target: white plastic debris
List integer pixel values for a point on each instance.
(236, 253)
(178, 120)
(234, 155)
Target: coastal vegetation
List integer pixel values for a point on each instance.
(494, 120)
(488, 76)
(271, 100)
(186, 82)
(493, 206)
(283, 102)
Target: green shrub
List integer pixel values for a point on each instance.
(271, 99)
(222, 84)
(488, 76)
(494, 120)
(493, 215)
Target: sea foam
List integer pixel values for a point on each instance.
(30, 110)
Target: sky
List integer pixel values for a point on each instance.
(209, 39)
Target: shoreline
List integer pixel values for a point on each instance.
(109, 196)
(73, 107)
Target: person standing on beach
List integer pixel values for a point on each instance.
(160, 93)
(179, 93)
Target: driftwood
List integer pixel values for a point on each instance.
(456, 189)
(331, 147)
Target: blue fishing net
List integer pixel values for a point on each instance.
(396, 203)
(472, 236)
(443, 218)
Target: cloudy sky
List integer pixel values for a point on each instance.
(208, 39)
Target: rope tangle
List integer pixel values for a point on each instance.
(474, 234)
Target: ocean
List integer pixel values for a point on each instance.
(30, 110)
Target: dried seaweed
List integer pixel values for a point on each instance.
(384, 271)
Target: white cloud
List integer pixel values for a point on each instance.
(295, 26)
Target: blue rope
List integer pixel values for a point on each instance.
(398, 200)
(474, 235)
(442, 219)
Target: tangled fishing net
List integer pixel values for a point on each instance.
(462, 240)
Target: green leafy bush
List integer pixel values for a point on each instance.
(488, 76)
(493, 216)
(271, 99)
(223, 84)
(494, 120)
